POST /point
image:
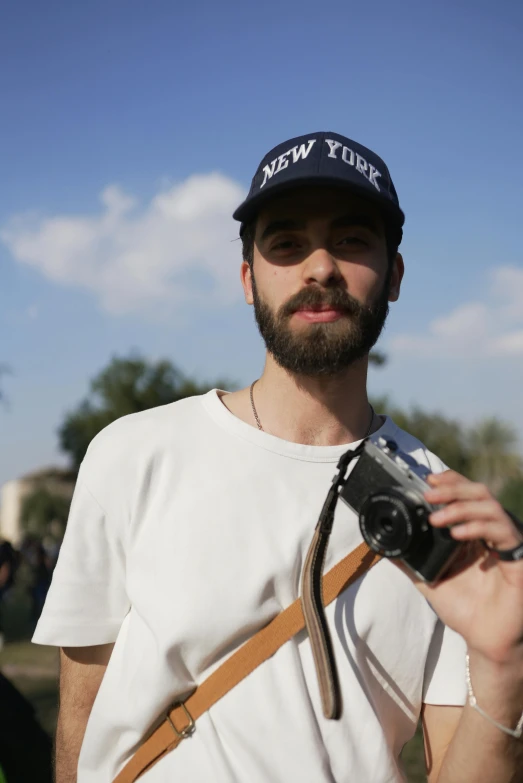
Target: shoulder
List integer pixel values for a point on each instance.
(152, 426)
(413, 446)
(125, 451)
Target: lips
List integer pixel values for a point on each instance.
(323, 308)
(312, 302)
(315, 315)
(318, 308)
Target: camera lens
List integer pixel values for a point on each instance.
(386, 523)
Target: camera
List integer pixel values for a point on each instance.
(386, 489)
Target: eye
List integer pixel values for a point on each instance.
(285, 244)
(352, 240)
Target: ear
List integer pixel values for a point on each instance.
(396, 278)
(246, 278)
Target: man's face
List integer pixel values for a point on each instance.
(321, 279)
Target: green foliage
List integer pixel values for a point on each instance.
(494, 459)
(511, 496)
(377, 358)
(40, 509)
(126, 385)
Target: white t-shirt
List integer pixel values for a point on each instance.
(187, 534)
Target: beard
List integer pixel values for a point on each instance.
(321, 349)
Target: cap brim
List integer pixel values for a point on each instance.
(248, 210)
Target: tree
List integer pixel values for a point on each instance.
(42, 508)
(126, 385)
(377, 358)
(511, 496)
(494, 459)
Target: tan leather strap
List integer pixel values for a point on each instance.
(179, 721)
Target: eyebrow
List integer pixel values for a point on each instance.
(363, 221)
(275, 226)
(345, 221)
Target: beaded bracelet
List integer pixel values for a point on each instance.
(517, 732)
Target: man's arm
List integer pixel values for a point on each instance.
(81, 673)
(461, 746)
(481, 599)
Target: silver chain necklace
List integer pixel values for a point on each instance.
(258, 422)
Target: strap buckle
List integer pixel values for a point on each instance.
(191, 726)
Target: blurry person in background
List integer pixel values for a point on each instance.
(52, 543)
(9, 559)
(37, 559)
(25, 748)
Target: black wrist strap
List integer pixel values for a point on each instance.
(510, 555)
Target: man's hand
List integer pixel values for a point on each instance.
(481, 597)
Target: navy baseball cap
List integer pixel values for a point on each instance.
(322, 159)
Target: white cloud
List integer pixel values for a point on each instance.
(491, 327)
(175, 249)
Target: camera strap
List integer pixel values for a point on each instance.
(312, 598)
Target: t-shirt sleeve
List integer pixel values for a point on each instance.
(444, 680)
(87, 600)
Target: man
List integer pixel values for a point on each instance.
(191, 522)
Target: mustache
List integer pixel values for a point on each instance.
(335, 298)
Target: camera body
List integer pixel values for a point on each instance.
(386, 489)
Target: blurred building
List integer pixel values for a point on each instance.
(56, 481)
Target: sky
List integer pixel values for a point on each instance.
(130, 131)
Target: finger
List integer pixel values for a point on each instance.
(497, 535)
(447, 477)
(466, 510)
(462, 490)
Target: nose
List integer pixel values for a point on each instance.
(321, 268)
